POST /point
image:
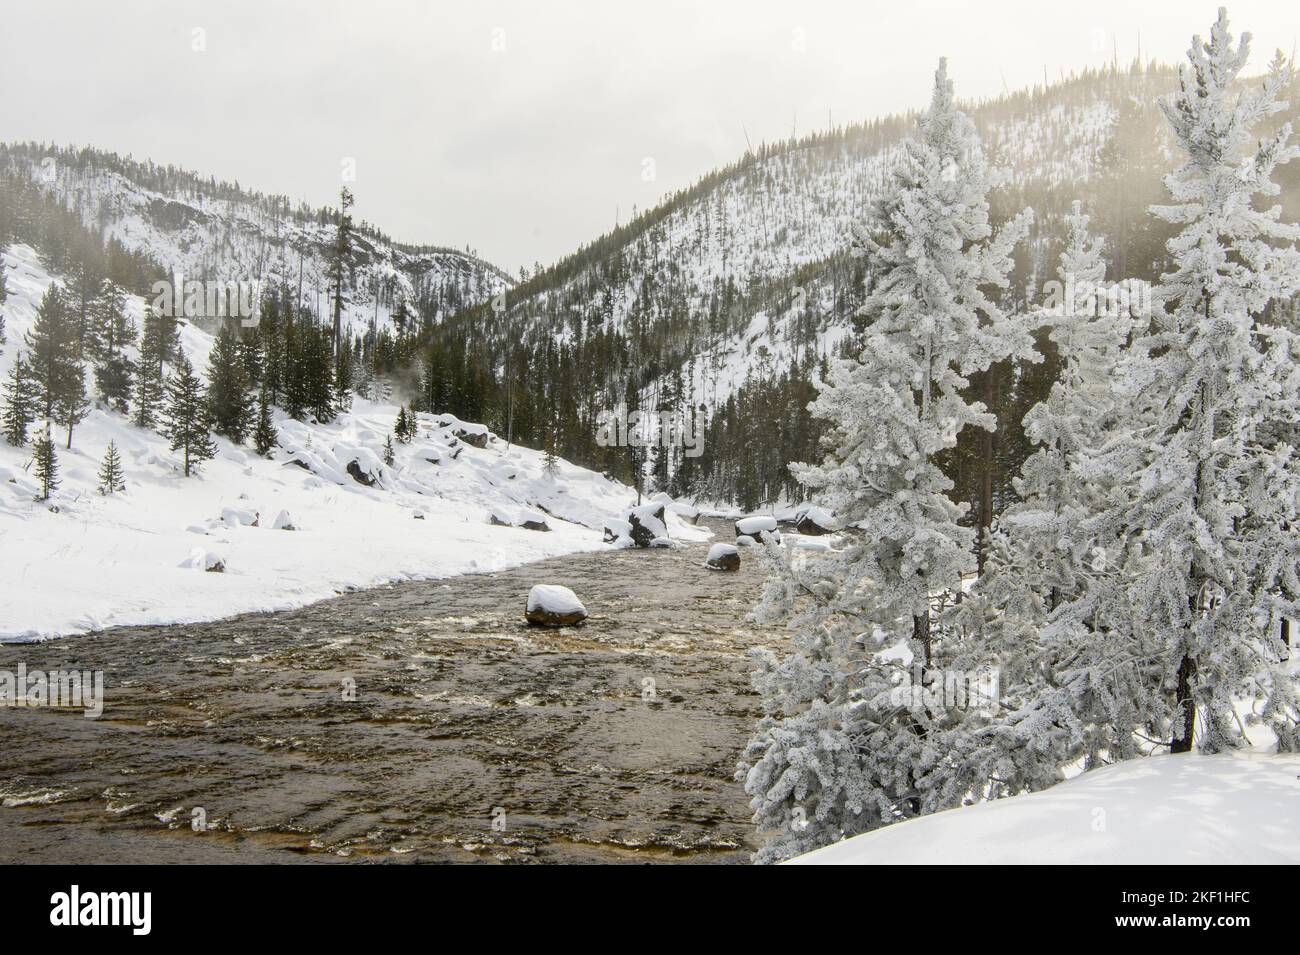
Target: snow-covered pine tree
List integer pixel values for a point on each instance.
(836, 754)
(403, 428)
(110, 471)
(265, 438)
(228, 395)
(389, 457)
(19, 403)
(1202, 554)
(187, 425)
(45, 463)
(1041, 554)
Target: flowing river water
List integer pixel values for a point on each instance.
(469, 737)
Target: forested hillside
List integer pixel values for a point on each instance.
(730, 295)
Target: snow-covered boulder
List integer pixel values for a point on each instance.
(283, 522)
(201, 559)
(758, 527)
(550, 605)
(744, 540)
(365, 468)
(647, 523)
(813, 521)
(644, 526)
(475, 435)
(618, 532)
(239, 517)
(500, 517)
(532, 521)
(686, 512)
(723, 557)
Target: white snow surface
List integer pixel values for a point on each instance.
(1187, 809)
(110, 561)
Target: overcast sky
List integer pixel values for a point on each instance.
(522, 129)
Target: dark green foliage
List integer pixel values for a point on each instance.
(264, 435)
(110, 472)
(46, 464)
(188, 423)
(229, 402)
(19, 404)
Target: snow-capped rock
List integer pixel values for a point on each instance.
(551, 605)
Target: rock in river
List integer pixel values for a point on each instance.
(723, 557)
(550, 605)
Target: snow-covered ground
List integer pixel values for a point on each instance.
(1241, 808)
(136, 557)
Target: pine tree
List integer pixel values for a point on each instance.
(110, 472)
(835, 754)
(405, 427)
(51, 344)
(265, 438)
(1201, 556)
(19, 404)
(188, 423)
(46, 464)
(113, 331)
(148, 396)
(72, 405)
(341, 266)
(228, 394)
(388, 450)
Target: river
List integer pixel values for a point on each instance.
(418, 722)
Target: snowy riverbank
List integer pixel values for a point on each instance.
(137, 557)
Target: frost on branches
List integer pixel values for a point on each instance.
(1203, 541)
(835, 754)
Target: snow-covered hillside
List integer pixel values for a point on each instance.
(744, 256)
(1162, 810)
(187, 229)
(138, 557)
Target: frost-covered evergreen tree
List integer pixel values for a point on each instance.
(1040, 556)
(1201, 550)
(188, 418)
(836, 753)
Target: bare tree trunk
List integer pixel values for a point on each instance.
(1187, 703)
(921, 632)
